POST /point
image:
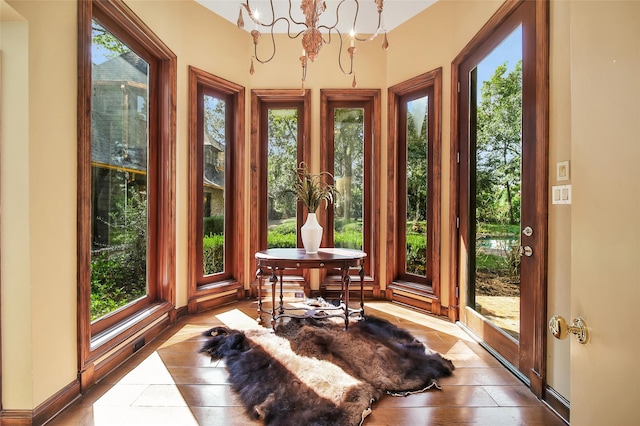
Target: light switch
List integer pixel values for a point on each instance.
(561, 194)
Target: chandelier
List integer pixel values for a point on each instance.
(313, 34)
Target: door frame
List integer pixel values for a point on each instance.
(534, 355)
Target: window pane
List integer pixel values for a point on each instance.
(213, 179)
(119, 143)
(348, 128)
(282, 162)
(498, 184)
(416, 184)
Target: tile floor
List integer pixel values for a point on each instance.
(169, 383)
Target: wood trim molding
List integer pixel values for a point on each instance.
(536, 364)
(54, 404)
(201, 79)
(539, 362)
(557, 403)
(429, 79)
(162, 263)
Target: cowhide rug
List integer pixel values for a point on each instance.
(312, 372)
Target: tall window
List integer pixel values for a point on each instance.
(349, 150)
(414, 194)
(119, 168)
(348, 172)
(126, 144)
(283, 136)
(281, 129)
(215, 183)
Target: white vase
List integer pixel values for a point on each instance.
(311, 233)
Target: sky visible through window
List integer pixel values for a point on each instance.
(509, 51)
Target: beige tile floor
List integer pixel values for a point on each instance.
(169, 383)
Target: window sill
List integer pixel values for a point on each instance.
(121, 331)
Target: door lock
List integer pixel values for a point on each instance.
(527, 231)
(526, 251)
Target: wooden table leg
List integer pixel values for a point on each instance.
(281, 295)
(361, 273)
(259, 276)
(273, 279)
(345, 290)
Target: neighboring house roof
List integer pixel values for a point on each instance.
(125, 70)
(213, 177)
(125, 67)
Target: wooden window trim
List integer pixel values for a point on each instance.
(116, 15)
(233, 277)
(431, 80)
(370, 100)
(261, 100)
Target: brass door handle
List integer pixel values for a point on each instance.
(560, 329)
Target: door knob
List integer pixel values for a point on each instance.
(560, 329)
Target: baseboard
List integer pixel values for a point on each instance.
(16, 417)
(557, 403)
(56, 403)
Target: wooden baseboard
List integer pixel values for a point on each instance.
(557, 403)
(56, 403)
(16, 417)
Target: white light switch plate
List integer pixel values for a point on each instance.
(561, 194)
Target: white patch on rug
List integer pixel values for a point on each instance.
(328, 380)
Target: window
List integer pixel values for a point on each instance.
(281, 129)
(414, 189)
(283, 136)
(126, 211)
(215, 184)
(349, 149)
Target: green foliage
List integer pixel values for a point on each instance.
(416, 253)
(489, 262)
(113, 46)
(118, 273)
(213, 254)
(348, 167)
(499, 147)
(282, 159)
(504, 261)
(288, 226)
(283, 235)
(417, 149)
(113, 283)
(350, 237)
(213, 225)
(281, 240)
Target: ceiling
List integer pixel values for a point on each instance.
(394, 13)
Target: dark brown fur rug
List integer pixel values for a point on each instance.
(312, 372)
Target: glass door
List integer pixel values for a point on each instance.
(496, 183)
(501, 184)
